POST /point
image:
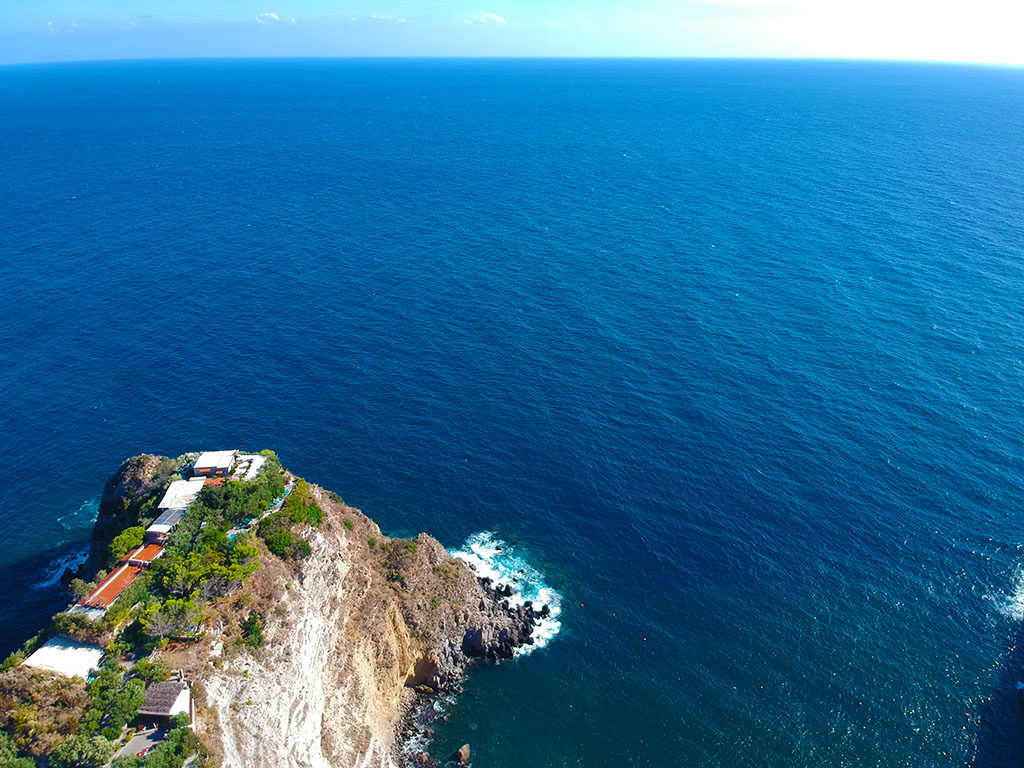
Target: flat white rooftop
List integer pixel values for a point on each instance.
(214, 460)
(255, 463)
(66, 657)
(181, 493)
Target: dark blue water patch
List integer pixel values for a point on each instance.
(731, 348)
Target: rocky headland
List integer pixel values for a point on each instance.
(359, 638)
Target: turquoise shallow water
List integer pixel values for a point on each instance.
(729, 351)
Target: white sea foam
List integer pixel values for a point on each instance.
(492, 558)
(58, 565)
(74, 520)
(85, 514)
(1011, 603)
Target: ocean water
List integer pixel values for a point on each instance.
(729, 353)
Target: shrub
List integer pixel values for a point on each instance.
(9, 754)
(79, 626)
(435, 601)
(301, 550)
(410, 545)
(152, 671)
(252, 630)
(172, 751)
(82, 752)
(126, 541)
(279, 542)
(372, 542)
(348, 524)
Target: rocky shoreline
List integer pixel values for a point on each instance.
(480, 644)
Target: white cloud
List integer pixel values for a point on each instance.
(388, 17)
(56, 29)
(273, 18)
(487, 18)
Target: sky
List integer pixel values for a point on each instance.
(985, 31)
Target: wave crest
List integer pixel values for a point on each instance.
(492, 558)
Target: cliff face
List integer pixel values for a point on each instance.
(134, 489)
(350, 632)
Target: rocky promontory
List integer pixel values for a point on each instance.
(358, 637)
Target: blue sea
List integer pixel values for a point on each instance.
(730, 353)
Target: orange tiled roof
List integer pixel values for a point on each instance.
(108, 590)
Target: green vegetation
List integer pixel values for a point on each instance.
(435, 601)
(277, 530)
(27, 648)
(201, 563)
(39, 711)
(80, 751)
(171, 753)
(371, 542)
(252, 630)
(79, 626)
(335, 497)
(114, 703)
(125, 542)
(410, 545)
(9, 754)
(152, 671)
(348, 524)
(446, 572)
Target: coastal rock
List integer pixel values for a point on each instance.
(461, 755)
(353, 656)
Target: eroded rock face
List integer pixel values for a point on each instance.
(354, 651)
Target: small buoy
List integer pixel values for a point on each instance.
(860, 703)
(645, 639)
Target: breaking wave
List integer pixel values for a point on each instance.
(1011, 603)
(492, 558)
(56, 568)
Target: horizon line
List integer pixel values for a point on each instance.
(564, 57)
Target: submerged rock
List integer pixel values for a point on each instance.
(461, 755)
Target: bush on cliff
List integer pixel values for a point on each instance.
(39, 710)
(152, 671)
(175, 617)
(252, 630)
(114, 702)
(79, 626)
(81, 751)
(125, 542)
(9, 754)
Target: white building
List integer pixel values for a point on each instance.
(214, 464)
